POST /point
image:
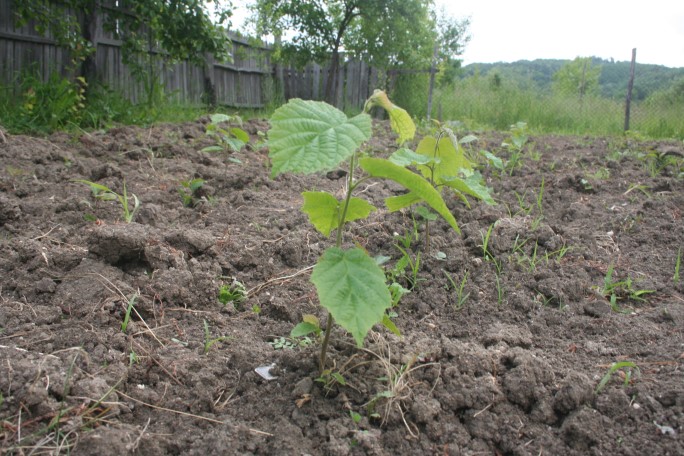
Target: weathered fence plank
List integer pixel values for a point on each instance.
(239, 83)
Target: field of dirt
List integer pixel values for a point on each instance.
(516, 361)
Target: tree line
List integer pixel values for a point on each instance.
(607, 78)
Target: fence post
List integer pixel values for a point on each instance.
(210, 96)
(433, 70)
(279, 74)
(630, 86)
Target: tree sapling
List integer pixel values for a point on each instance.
(309, 137)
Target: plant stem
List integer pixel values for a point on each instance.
(345, 207)
(432, 182)
(324, 346)
(338, 244)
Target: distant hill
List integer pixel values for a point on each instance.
(537, 74)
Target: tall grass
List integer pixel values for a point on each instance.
(32, 105)
(480, 104)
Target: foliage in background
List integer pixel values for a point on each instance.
(183, 29)
(227, 138)
(384, 33)
(578, 78)
(538, 74)
(44, 106)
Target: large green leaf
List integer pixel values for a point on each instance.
(324, 209)
(312, 136)
(378, 167)
(351, 286)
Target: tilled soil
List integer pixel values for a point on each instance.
(512, 363)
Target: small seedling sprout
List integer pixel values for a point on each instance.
(208, 340)
(678, 262)
(104, 193)
(630, 369)
(486, 254)
(620, 289)
(461, 297)
(234, 293)
(188, 191)
(127, 315)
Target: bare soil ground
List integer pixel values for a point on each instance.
(511, 368)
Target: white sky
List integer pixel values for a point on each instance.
(510, 30)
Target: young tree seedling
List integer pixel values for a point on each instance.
(227, 138)
(188, 191)
(441, 160)
(310, 137)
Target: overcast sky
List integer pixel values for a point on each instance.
(510, 30)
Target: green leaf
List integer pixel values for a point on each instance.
(426, 214)
(358, 209)
(195, 184)
(338, 378)
(95, 188)
(351, 286)
(402, 124)
(495, 161)
(451, 158)
(468, 139)
(240, 134)
(395, 203)
(471, 185)
(407, 157)
(378, 167)
(304, 329)
(234, 143)
(324, 209)
(389, 324)
(312, 136)
(381, 259)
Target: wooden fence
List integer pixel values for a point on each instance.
(355, 83)
(239, 83)
(251, 80)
